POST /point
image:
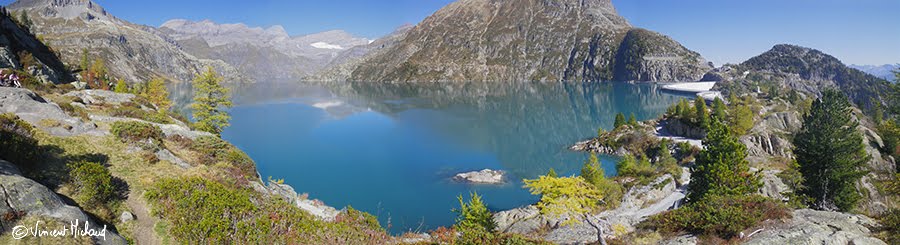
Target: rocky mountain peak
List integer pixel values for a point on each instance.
(68, 9)
(811, 71)
(531, 40)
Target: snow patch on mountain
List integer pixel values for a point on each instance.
(324, 45)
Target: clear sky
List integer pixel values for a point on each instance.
(855, 31)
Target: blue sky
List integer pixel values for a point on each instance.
(856, 31)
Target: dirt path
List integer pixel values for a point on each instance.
(143, 231)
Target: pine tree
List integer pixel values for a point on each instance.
(701, 112)
(632, 120)
(620, 121)
(552, 173)
(25, 21)
(592, 172)
(740, 119)
(85, 62)
(97, 75)
(719, 108)
(830, 153)
(158, 94)
(121, 86)
(722, 168)
(210, 100)
(474, 214)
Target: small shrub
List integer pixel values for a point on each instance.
(718, 216)
(132, 110)
(352, 215)
(202, 211)
(93, 182)
(74, 111)
(474, 214)
(147, 135)
(17, 143)
(213, 150)
(889, 231)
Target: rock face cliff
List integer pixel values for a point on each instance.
(263, 54)
(649, 56)
(132, 52)
(20, 50)
(532, 40)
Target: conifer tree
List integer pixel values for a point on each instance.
(701, 112)
(474, 214)
(121, 86)
(592, 172)
(620, 121)
(719, 108)
(722, 168)
(210, 102)
(552, 173)
(830, 153)
(632, 120)
(685, 110)
(85, 62)
(158, 94)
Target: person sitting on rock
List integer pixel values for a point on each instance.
(15, 80)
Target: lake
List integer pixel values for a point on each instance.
(390, 149)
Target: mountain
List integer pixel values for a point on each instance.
(133, 52)
(885, 72)
(265, 54)
(20, 50)
(806, 70)
(543, 40)
(342, 66)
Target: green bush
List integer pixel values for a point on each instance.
(474, 214)
(132, 110)
(640, 169)
(478, 236)
(93, 182)
(890, 227)
(203, 211)
(719, 216)
(17, 143)
(137, 132)
(213, 150)
(74, 110)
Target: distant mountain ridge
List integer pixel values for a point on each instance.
(132, 52)
(533, 40)
(806, 70)
(883, 71)
(265, 54)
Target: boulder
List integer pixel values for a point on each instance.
(126, 216)
(34, 109)
(314, 207)
(22, 195)
(773, 187)
(91, 97)
(166, 155)
(819, 227)
(485, 176)
(167, 129)
(677, 128)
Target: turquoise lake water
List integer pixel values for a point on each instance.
(390, 149)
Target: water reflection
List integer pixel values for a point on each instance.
(390, 148)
